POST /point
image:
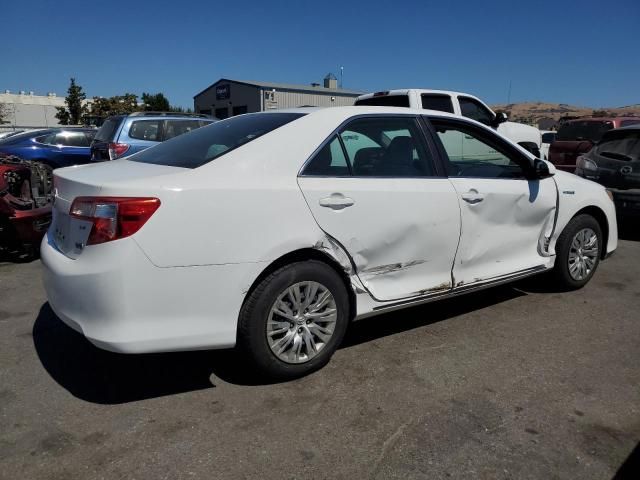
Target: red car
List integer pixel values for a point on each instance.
(576, 137)
(25, 203)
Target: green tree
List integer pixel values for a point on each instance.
(72, 114)
(600, 113)
(155, 102)
(116, 105)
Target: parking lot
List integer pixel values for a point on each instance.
(512, 382)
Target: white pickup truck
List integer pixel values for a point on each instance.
(458, 103)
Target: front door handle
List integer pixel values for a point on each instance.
(472, 196)
(336, 201)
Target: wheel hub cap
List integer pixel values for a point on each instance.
(583, 254)
(301, 322)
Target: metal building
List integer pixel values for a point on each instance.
(229, 97)
(26, 110)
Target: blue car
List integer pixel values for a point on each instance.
(56, 147)
(124, 135)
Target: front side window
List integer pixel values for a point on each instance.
(472, 153)
(145, 130)
(441, 103)
(201, 146)
(473, 109)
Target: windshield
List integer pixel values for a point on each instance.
(583, 130)
(200, 146)
(386, 101)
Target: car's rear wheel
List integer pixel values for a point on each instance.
(578, 252)
(294, 320)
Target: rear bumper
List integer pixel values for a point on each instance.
(121, 302)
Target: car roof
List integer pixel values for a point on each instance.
(405, 91)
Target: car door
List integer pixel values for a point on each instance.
(373, 186)
(507, 217)
(73, 147)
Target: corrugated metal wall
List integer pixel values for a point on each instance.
(284, 99)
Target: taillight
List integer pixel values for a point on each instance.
(116, 150)
(113, 217)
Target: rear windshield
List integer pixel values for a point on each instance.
(620, 145)
(386, 101)
(586, 130)
(548, 137)
(200, 146)
(108, 129)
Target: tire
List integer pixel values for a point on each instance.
(259, 328)
(566, 276)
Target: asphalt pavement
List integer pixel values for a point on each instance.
(514, 382)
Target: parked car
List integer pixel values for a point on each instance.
(272, 231)
(615, 163)
(548, 137)
(26, 194)
(123, 135)
(457, 103)
(575, 137)
(55, 147)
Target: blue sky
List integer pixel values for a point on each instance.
(576, 52)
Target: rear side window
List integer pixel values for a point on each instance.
(441, 103)
(386, 101)
(107, 131)
(583, 130)
(173, 128)
(65, 139)
(200, 146)
(145, 130)
(387, 147)
(329, 161)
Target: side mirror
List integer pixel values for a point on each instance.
(542, 169)
(500, 117)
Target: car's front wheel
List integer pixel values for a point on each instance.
(294, 320)
(578, 252)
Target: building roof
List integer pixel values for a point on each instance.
(285, 86)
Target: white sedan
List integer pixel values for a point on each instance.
(272, 231)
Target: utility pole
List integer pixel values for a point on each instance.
(341, 75)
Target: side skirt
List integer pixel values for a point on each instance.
(392, 306)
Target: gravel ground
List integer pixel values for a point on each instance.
(512, 382)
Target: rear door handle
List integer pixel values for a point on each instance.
(336, 201)
(472, 196)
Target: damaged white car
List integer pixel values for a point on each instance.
(272, 231)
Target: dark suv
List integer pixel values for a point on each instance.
(576, 137)
(123, 135)
(615, 163)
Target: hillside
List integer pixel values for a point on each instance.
(533, 111)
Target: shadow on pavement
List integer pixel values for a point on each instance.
(102, 377)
